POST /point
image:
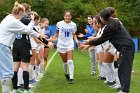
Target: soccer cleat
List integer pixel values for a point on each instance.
(67, 77)
(119, 89)
(101, 78)
(32, 81)
(15, 91)
(27, 91)
(70, 81)
(109, 83)
(93, 73)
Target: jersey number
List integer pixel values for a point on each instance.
(19, 36)
(67, 34)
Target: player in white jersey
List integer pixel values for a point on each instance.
(66, 30)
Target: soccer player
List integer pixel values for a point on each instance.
(9, 27)
(89, 32)
(66, 30)
(22, 51)
(48, 35)
(40, 54)
(116, 33)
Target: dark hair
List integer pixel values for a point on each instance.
(90, 16)
(112, 11)
(97, 17)
(105, 14)
(69, 11)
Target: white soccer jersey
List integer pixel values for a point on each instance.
(65, 38)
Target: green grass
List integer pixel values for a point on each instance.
(54, 80)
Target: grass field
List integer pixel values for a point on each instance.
(55, 82)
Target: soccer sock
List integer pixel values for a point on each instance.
(65, 68)
(20, 77)
(45, 64)
(37, 70)
(41, 67)
(102, 70)
(15, 80)
(99, 68)
(112, 70)
(108, 72)
(31, 67)
(71, 68)
(26, 80)
(6, 85)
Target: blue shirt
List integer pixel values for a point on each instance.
(90, 31)
(48, 32)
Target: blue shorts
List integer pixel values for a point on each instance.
(6, 62)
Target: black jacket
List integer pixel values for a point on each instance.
(116, 33)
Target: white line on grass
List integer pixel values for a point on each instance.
(50, 60)
(47, 66)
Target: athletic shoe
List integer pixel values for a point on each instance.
(67, 77)
(93, 73)
(70, 81)
(20, 90)
(31, 85)
(32, 81)
(122, 92)
(15, 91)
(109, 83)
(119, 89)
(27, 91)
(116, 86)
(101, 78)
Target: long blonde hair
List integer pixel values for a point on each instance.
(17, 8)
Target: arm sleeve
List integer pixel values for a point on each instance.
(89, 33)
(19, 27)
(107, 34)
(75, 28)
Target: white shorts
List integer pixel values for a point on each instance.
(99, 49)
(64, 50)
(33, 43)
(112, 50)
(38, 48)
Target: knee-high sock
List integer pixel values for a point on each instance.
(65, 68)
(31, 67)
(71, 68)
(108, 72)
(99, 68)
(112, 70)
(26, 79)
(102, 72)
(20, 77)
(45, 64)
(41, 67)
(5, 82)
(15, 80)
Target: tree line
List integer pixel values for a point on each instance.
(128, 11)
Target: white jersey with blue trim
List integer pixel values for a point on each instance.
(65, 37)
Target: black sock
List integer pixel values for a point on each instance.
(26, 80)
(15, 80)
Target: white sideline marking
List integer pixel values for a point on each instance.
(50, 60)
(46, 67)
